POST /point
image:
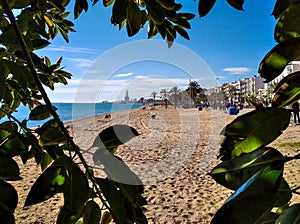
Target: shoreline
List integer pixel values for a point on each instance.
(173, 155)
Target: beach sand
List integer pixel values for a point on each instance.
(173, 154)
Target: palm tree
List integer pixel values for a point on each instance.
(164, 93)
(174, 94)
(154, 94)
(194, 89)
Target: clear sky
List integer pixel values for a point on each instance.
(225, 46)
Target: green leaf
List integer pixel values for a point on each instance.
(275, 61)
(233, 173)
(114, 198)
(156, 12)
(257, 196)
(50, 182)
(40, 112)
(257, 129)
(116, 135)
(290, 215)
(9, 169)
(204, 6)
(12, 144)
(288, 25)
(2, 81)
(8, 197)
(107, 3)
(237, 4)
(46, 160)
(9, 38)
(39, 44)
(287, 91)
(119, 11)
(92, 213)
(17, 72)
(52, 136)
(74, 196)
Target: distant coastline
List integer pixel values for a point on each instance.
(75, 111)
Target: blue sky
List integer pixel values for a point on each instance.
(227, 43)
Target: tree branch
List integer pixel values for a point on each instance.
(47, 100)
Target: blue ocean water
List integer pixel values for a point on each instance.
(74, 111)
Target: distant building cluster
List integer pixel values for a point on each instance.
(243, 89)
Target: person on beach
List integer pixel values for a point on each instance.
(295, 107)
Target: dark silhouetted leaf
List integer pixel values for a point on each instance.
(79, 6)
(106, 218)
(287, 90)
(116, 135)
(92, 213)
(237, 4)
(134, 19)
(155, 11)
(21, 3)
(186, 15)
(115, 168)
(205, 6)
(280, 7)
(8, 197)
(40, 112)
(167, 4)
(119, 11)
(182, 32)
(257, 195)
(290, 215)
(288, 25)
(275, 61)
(9, 126)
(131, 192)
(114, 198)
(9, 169)
(257, 129)
(152, 29)
(233, 173)
(183, 23)
(39, 43)
(66, 216)
(50, 182)
(7, 217)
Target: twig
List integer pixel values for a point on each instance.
(47, 100)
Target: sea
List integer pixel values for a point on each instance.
(74, 111)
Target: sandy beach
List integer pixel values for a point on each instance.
(173, 154)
